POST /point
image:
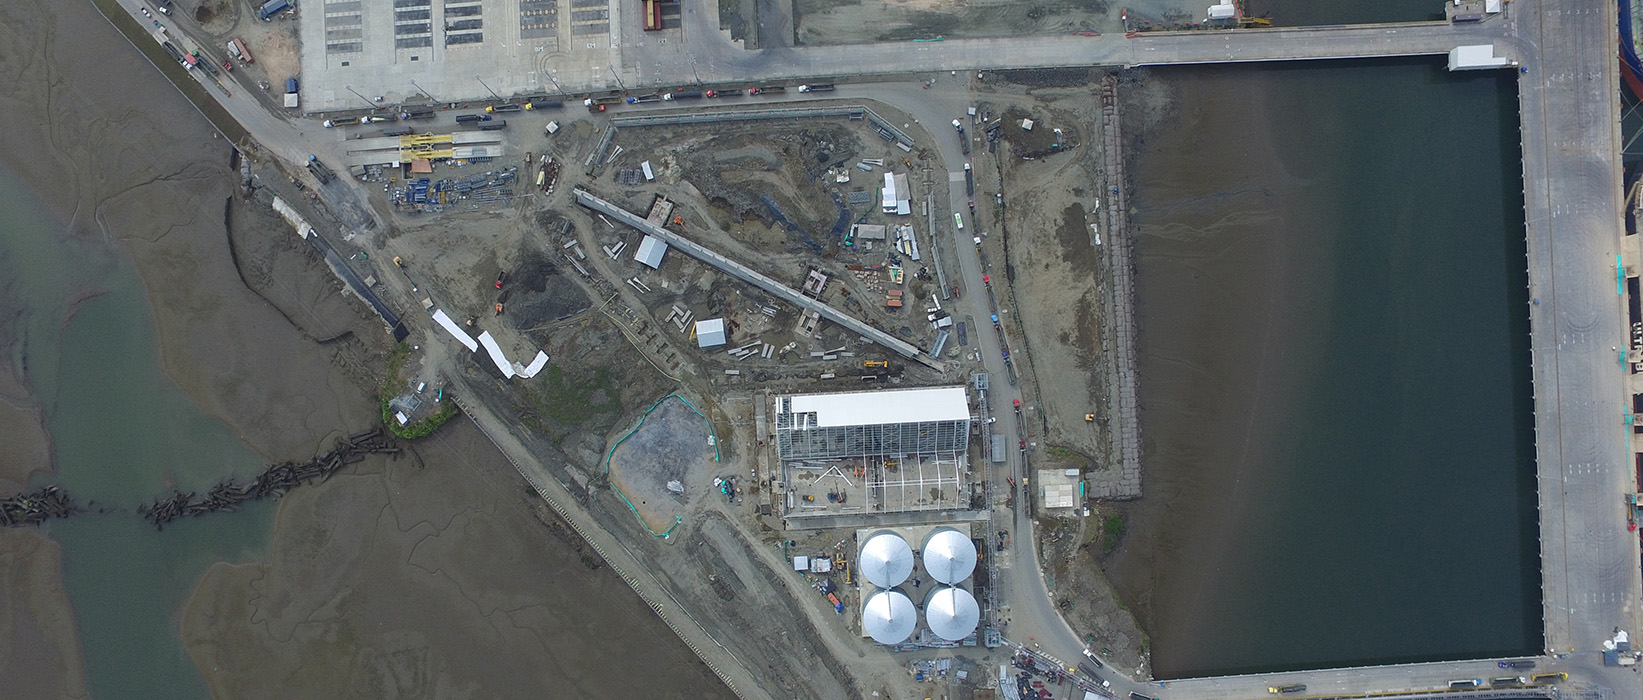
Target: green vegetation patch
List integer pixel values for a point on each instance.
(391, 383)
(1112, 530)
(573, 400)
(419, 428)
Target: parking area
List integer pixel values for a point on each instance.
(453, 51)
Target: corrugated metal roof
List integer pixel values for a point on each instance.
(650, 252)
(710, 333)
(949, 556)
(885, 560)
(885, 407)
(952, 613)
(888, 617)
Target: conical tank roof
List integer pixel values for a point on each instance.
(951, 613)
(888, 617)
(886, 560)
(949, 556)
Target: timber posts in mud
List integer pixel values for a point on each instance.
(52, 502)
(274, 482)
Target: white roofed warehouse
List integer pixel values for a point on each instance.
(851, 454)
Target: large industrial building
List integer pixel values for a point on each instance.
(870, 452)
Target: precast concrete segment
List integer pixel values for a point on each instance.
(750, 276)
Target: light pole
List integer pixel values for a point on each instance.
(368, 101)
(555, 83)
(693, 70)
(488, 89)
(424, 92)
(618, 78)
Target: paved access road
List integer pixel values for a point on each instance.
(706, 54)
(1569, 98)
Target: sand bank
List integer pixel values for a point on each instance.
(439, 581)
(1189, 228)
(39, 655)
(122, 157)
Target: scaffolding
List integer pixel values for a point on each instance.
(797, 437)
(868, 468)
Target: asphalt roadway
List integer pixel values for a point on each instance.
(1569, 105)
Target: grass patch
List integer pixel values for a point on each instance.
(1112, 530)
(391, 383)
(420, 428)
(573, 400)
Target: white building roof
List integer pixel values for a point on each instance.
(885, 560)
(951, 613)
(885, 407)
(888, 617)
(1060, 490)
(710, 333)
(1475, 57)
(650, 252)
(869, 232)
(949, 556)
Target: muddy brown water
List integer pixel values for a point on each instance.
(1334, 370)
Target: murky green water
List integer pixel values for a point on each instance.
(1334, 370)
(1297, 13)
(123, 435)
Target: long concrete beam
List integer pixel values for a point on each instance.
(753, 277)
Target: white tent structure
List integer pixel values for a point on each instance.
(949, 556)
(885, 560)
(951, 613)
(888, 617)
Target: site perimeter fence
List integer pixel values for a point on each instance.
(854, 112)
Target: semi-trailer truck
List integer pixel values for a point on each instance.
(240, 51)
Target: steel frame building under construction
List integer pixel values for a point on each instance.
(890, 451)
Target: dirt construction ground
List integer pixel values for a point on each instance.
(671, 444)
(1056, 304)
(1057, 275)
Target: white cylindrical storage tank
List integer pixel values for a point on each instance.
(886, 560)
(949, 556)
(888, 617)
(951, 613)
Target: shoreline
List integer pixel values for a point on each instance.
(1146, 566)
(1328, 374)
(238, 309)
